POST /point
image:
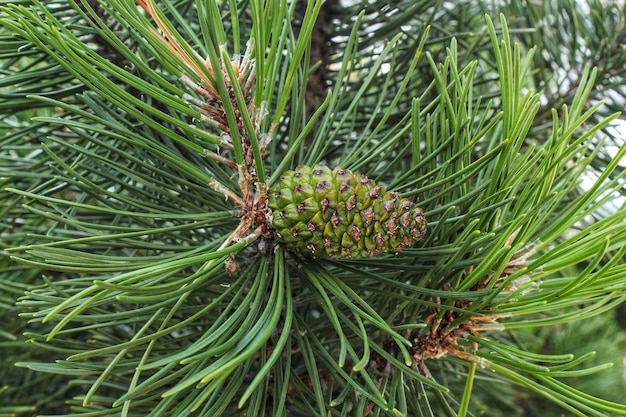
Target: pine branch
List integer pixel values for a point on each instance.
(151, 280)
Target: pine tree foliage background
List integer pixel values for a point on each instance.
(122, 292)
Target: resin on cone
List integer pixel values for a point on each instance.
(337, 214)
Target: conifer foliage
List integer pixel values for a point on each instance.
(272, 208)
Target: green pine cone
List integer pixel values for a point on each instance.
(337, 214)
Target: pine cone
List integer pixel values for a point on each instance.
(337, 214)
